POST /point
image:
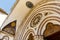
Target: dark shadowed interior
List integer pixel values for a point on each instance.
(55, 36)
(52, 32)
(31, 37)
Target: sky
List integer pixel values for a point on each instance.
(6, 5)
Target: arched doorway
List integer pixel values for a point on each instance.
(31, 37)
(52, 32)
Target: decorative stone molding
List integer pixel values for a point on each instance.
(35, 19)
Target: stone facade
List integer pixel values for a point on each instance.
(35, 19)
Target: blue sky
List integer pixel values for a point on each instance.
(6, 5)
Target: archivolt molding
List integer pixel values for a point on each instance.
(26, 35)
(52, 7)
(40, 16)
(47, 20)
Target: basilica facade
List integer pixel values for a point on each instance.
(33, 20)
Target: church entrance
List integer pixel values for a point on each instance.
(31, 37)
(55, 36)
(52, 32)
